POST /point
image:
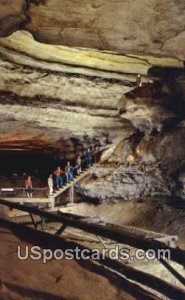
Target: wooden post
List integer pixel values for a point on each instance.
(71, 193)
(52, 203)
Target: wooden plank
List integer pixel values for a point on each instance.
(28, 200)
(131, 275)
(118, 233)
(169, 240)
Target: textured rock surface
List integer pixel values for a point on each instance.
(124, 184)
(51, 95)
(149, 26)
(56, 101)
(47, 103)
(157, 113)
(61, 100)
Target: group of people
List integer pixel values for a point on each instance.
(60, 176)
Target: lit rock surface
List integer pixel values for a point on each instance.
(67, 83)
(50, 94)
(61, 100)
(149, 26)
(122, 183)
(47, 101)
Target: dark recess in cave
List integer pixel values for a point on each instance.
(30, 163)
(165, 72)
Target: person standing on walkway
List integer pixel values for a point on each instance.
(68, 172)
(29, 187)
(59, 177)
(88, 158)
(50, 184)
(138, 81)
(78, 166)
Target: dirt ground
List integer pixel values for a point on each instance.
(52, 281)
(72, 280)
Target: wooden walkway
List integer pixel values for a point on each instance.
(74, 181)
(25, 200)
(50, 200)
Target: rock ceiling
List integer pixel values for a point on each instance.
(65, 65)
(148, 26)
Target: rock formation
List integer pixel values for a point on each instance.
(149, 26)
(67, 82)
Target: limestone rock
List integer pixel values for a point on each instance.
(150, 26)
(124, 184)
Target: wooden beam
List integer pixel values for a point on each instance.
(108, 230)
(33, 221)
(47, 240)
(28, 200)
(60, 230)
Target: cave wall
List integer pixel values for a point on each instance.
(50, 94)
(157, 112)
(67, 74)
(58, 102)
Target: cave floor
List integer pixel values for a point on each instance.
(52, 281)
(153, 214)
(70, 279)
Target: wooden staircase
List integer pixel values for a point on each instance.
(71, 185)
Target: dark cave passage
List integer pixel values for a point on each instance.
(16, 166)
(19, 163)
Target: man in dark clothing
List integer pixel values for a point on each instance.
(88, 158)
(68, 172)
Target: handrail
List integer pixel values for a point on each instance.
(21, 192)
(23, 188)
(36, 189)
